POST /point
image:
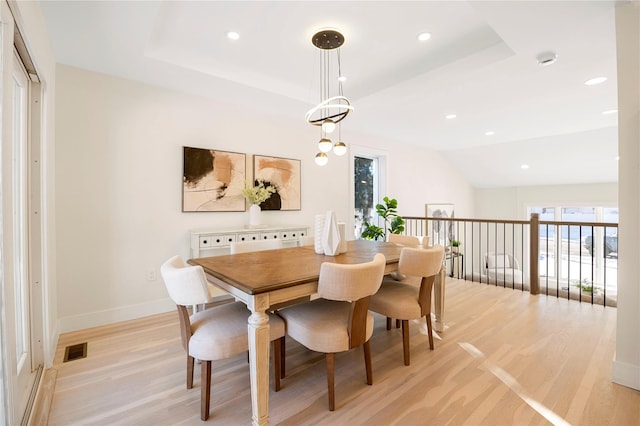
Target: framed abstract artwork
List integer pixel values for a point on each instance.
(213, 180)
(441, 230)
(284, 175)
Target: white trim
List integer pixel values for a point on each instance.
(625, 374)
(110, 316)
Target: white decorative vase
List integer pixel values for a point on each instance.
(318, 230)
(331, 235)
(254, 215)
(342, 228)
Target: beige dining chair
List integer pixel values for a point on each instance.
(236, 247)
(339, 320)
(308, 240)
(406, 240)
(404, 301)
(215, 333)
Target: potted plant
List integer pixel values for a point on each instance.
(256, 194)
(455, 246)
(394, 222)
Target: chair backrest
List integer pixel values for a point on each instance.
(306, 241)
(421, 262)
(187, 285)
(407, 240)
(258, 245)
(351, 282)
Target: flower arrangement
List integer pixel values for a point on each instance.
(256, 194)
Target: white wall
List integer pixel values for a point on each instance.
(626, 365)
(512, 203)
(118, 185)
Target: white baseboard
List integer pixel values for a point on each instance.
(110, 316)
(626, 374)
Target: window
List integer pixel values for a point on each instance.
(574, 254)
(365, 182)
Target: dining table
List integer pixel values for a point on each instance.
(263, 279)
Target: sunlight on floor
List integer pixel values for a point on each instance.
(513, 384)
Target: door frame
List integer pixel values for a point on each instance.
(14, 51)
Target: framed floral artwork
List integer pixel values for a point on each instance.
(213, 180)
(284, 175)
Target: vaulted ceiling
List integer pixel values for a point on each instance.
(479, 64)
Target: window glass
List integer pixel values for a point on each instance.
(365, 184)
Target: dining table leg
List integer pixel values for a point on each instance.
(258, 326)
(438, 293)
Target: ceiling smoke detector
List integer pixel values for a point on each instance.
(547, 58)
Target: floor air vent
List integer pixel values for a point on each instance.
(74, 352)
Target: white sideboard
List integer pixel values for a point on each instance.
(217, 241)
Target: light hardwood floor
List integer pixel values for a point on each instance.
(506, 357)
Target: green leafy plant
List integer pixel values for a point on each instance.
(393, 222)
(586, 286)
(455, 243)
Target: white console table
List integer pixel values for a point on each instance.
(217, 241)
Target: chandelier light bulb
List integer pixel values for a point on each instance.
(321, 159)
(328, 125)
(325, 145)
(340, 148)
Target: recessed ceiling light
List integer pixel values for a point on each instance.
(594, 81)
(233, 35)
(617, 158)
(524, 166)
(450, 116)
(490, 133)
(342, 78)
(424, 36)
(609, 111)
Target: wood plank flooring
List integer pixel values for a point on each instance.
(507, 358)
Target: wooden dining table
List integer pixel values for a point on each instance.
(264, 279)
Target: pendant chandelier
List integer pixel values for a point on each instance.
(333, 108)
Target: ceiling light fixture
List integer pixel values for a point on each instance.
(609, 111)
(490, 133)
(233, 35)
(333, 107)
(450, 116)
(524, 166)
(594, 81)
(424, 36)
(547, 58)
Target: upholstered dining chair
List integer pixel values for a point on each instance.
(405, 301)
(307, 240)
(215, 333)
(407, 240)
(257, 245)
(339, 320)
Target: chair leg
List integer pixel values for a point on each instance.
(430, 331)
(277, 355)
(367, 362)
(283, 348)
(330, 382)
(205, 389)
(405, 341)
(388, 323)
(190, 363)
